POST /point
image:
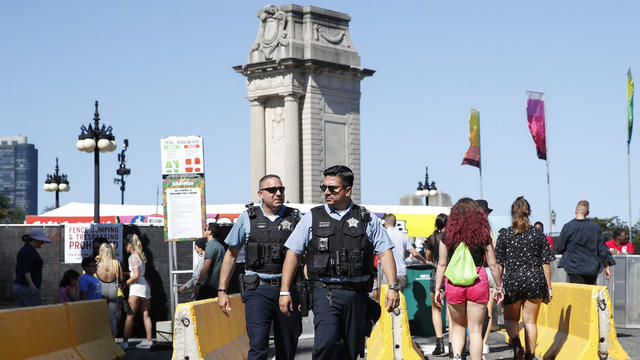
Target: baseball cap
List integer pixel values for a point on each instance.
(38, 234)
(485, 205)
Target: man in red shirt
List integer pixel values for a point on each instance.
(620, 244)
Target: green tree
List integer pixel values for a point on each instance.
(8, 214)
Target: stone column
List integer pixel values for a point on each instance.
(258, 147)
(291, 174)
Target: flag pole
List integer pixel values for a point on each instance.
(480, 153)
(629, 189)
(546, 140)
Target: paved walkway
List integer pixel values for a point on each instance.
(629, 338)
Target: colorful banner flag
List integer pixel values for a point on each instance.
(536, 120)
(629, 105)
(472, 157)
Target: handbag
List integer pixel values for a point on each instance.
(461, 269)
(119, 291)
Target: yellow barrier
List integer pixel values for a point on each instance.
(90, 330)
(380, 344)
(36, 333)
(568, 327)
(71, 331)
(202, 331)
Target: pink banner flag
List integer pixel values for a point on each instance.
(536, 120)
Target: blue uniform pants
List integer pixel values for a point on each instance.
(339, 323)
(262, 307)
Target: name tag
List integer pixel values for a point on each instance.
(261, 225)
(324, 224)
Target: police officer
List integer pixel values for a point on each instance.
(262, 230)
(339, 238)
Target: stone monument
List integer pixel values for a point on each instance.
(303, 82)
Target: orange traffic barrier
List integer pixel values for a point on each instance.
(40, 332)
(577, 324)
(90, 330)
(203, 331)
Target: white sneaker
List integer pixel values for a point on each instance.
(144, 344)
(124, 345)
(485, 349)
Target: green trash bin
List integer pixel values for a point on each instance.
(418, 299)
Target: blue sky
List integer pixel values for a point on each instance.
(162, 68)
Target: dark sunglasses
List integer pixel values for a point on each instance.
(334, 189)
(274, 189)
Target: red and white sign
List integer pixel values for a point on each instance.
(78, 240)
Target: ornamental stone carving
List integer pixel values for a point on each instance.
(331, 35)
(272, 32)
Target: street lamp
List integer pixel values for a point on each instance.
(89, 139)
(122, 170)
(57, 182)
(426, 189)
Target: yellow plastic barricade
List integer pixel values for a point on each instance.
(90, 330)
(571, 325)
(202, 331)
(40, 332)
(385, 343)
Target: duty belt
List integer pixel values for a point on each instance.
(271, 282)
(350, 286)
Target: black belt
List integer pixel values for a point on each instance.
(271, 282)
(350, 286)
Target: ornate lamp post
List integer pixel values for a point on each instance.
(122, 170)
(426, 189)
(57, 182)
(92, 139)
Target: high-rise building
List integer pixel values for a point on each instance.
(19, 173)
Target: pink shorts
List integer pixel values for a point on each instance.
(477, 293)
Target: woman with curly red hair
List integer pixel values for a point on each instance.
(468, 224)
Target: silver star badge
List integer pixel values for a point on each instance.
(352, 222)
(285, 224)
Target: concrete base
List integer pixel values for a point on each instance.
(164, 331)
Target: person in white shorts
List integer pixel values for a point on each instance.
(139, 292)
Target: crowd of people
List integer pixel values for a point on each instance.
(324, 261)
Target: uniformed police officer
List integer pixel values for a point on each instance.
(339, 238)
(262, 230)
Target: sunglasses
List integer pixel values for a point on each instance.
(334, 189)
(274, 189)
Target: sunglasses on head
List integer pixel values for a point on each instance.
(274, 189)
(332, 188)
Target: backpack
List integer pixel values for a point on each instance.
(461, 270)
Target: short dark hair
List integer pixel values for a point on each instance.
(268, 176)
(619, 231)
(214, 228)
(201, 243)
(86, 262)
(539, 223)
(344, 173)
(441, 221)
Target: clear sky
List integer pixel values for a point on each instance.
(162, 68)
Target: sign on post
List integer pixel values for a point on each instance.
(182, 155)
(79, 237)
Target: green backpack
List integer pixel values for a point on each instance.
(461, 270)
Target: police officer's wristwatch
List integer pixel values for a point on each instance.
(394, 287)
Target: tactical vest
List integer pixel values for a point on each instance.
(339, 247)
(264, 250)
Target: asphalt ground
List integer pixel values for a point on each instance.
(629, 339)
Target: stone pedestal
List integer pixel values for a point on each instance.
(303, 80)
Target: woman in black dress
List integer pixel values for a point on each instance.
(525, 254)
(433, 247)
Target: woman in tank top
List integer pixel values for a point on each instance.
(139, 291)
(110, 275)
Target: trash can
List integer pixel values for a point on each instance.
(418, 299)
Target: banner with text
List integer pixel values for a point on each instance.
(78, 240)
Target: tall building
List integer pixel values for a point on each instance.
(19, 173)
